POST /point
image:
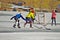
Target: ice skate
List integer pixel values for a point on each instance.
(18, 25)
(14, 25)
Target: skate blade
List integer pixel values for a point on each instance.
(19, 27)
(48, 29)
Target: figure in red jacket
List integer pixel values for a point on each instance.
(53, 17)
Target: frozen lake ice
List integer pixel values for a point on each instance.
(7, 32)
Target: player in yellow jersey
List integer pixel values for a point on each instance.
(29, 18)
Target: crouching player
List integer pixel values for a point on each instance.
(29, 18)
(16, 18)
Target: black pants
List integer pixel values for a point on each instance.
(53, 20)
(16, 20)
(28, 20)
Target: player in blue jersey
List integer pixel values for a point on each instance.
(16, 18)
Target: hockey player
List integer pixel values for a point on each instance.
(53, 17)
(32, 10)
(29, 18)
(16, 18)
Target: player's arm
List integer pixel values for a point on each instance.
(23, 17)
(32, 16)
(12, 17)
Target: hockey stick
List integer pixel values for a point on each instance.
(42, 27)
(46, 28)
(37, 27)
(47, 23)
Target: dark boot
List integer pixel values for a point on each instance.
(31, 25)
(18, 25)
(14, 25)
(25, 24)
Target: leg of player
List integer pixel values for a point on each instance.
(15, 24)
(30, 21)
(31, 25)
(18, 24)
(55, 21)
(26, 22)
(52, 22)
